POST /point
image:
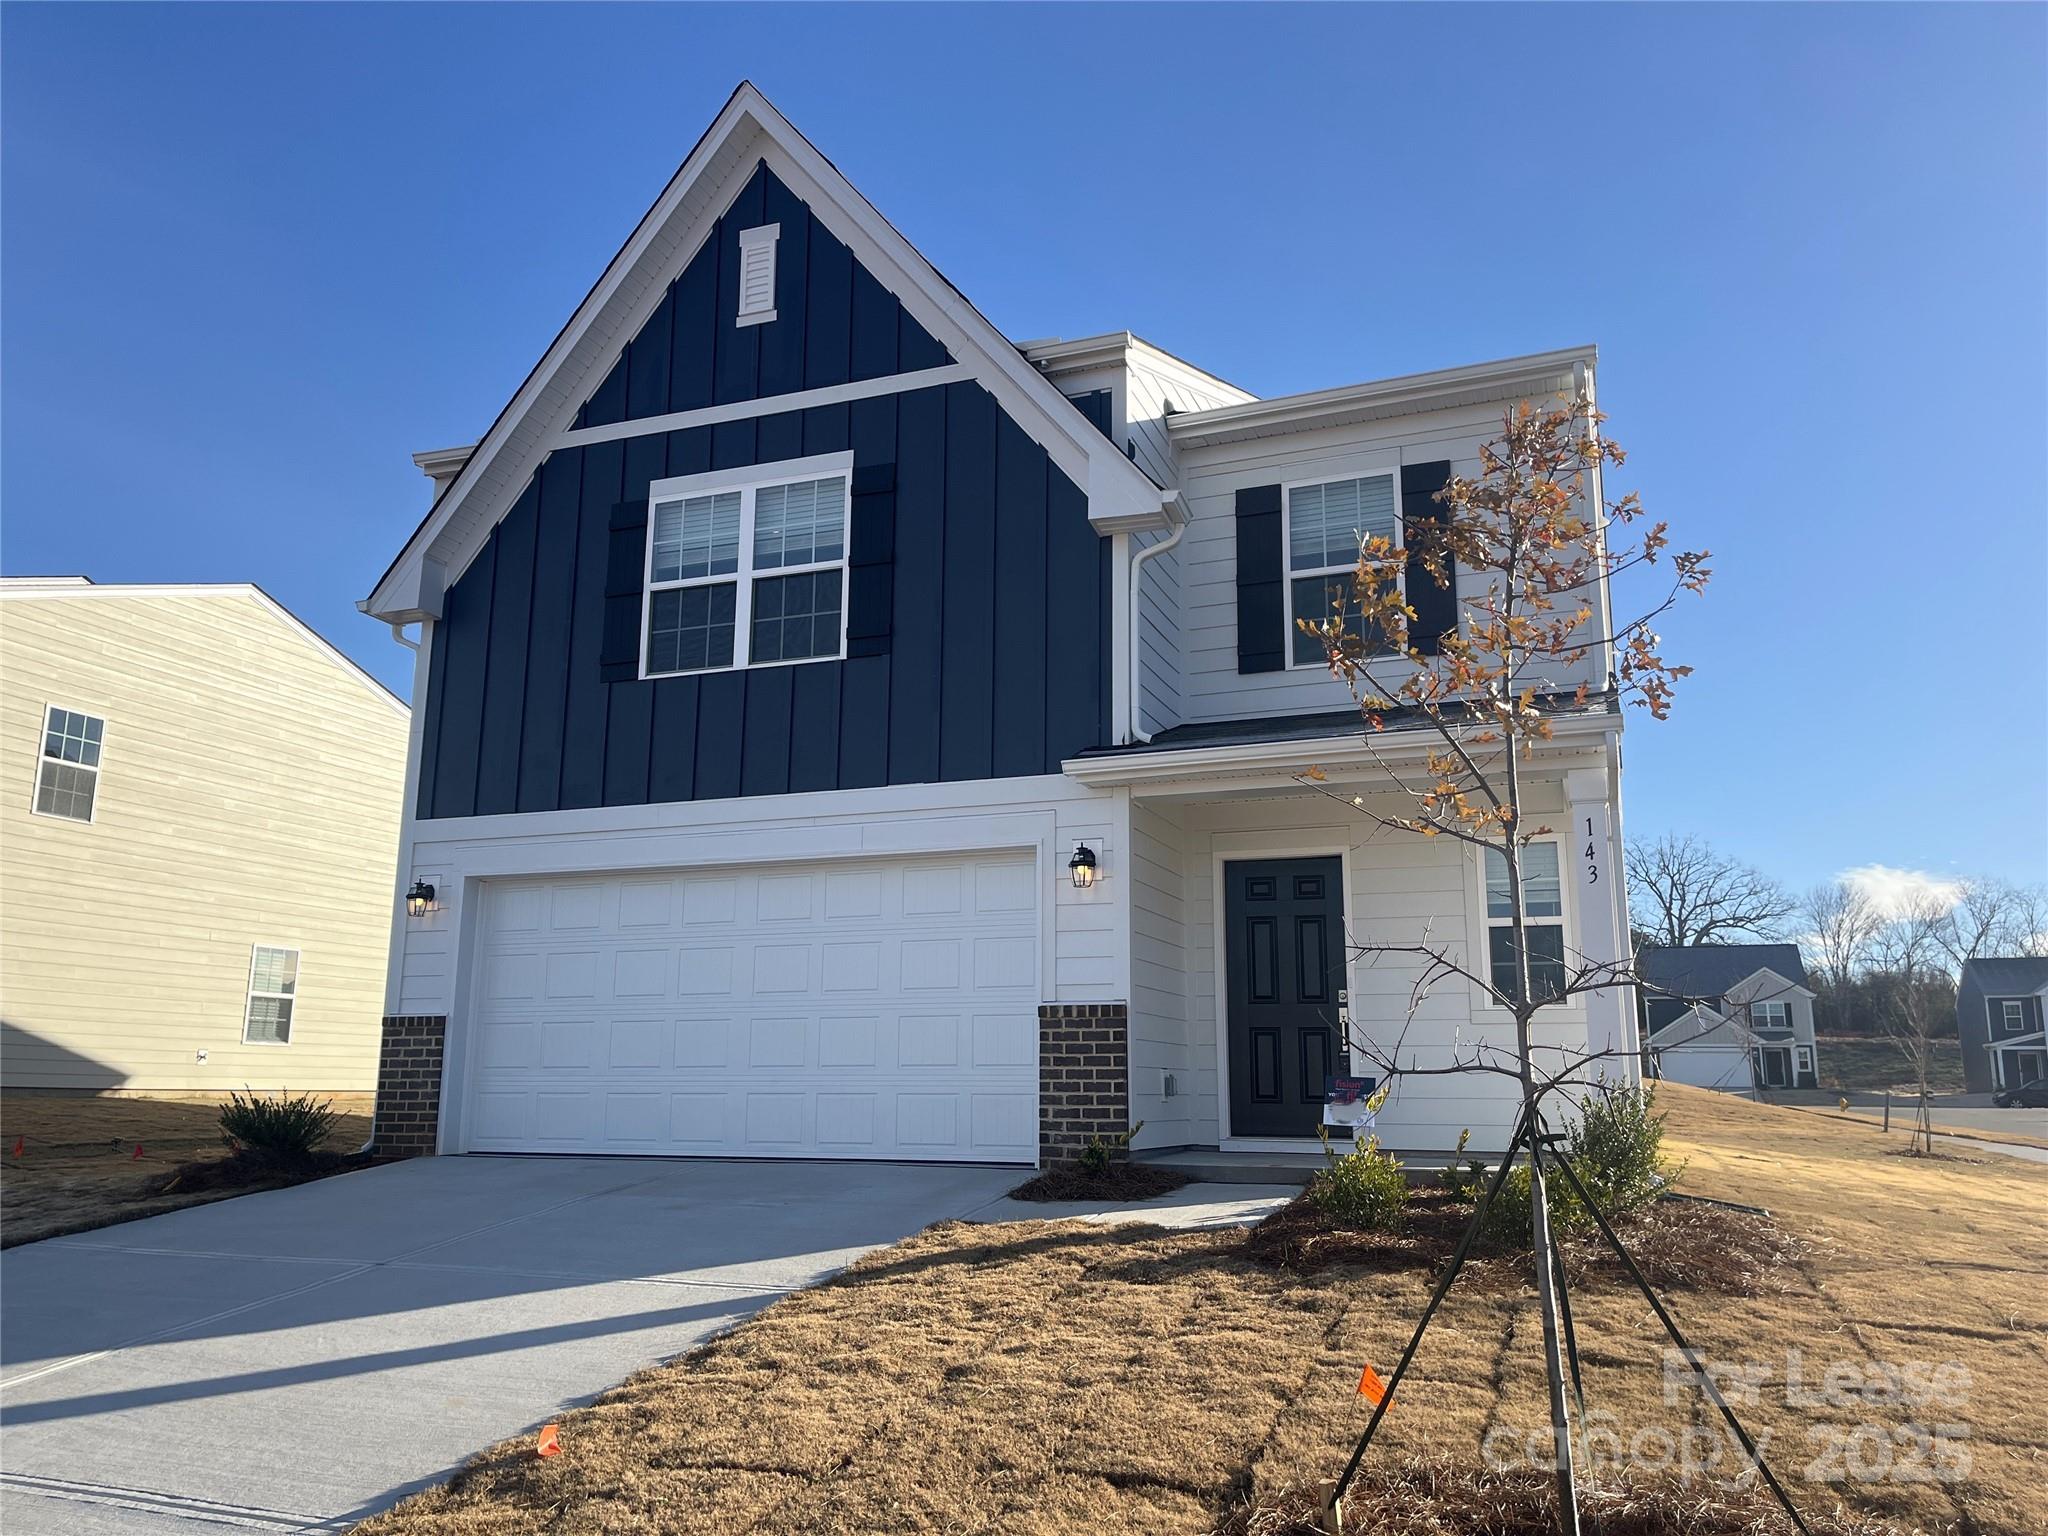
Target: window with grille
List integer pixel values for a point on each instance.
(1327, 523)
(68, 769)
(273, 988)
(747, 573)
(1542, 919)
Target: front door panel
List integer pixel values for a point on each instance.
(1284, 961)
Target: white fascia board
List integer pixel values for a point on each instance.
(1410, 394)
(1116, 349)
(747, 128)
(1358, 754)
(1769, 985)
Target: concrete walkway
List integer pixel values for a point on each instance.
(295, 1360)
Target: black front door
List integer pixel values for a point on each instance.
(1283, 923)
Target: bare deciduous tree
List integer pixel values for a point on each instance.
(1682, 892)
(1537, 533)
(1909, 958)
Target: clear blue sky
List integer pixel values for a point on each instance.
(256, 255)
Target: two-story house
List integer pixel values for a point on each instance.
(845, 732)
(1999, 1008)
(1737, 1017)
(198, 829)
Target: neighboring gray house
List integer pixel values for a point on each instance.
(1736, 1017)
(1999, 1007)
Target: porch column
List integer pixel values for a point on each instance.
(1603, 933)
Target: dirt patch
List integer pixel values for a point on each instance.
(240, 1173)
(1119, 1181)
(1681, 1244)
(1040, 1378)
(78, 1168)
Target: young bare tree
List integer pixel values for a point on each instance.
(1536, 643)
(1909, 961)
(1682, 892)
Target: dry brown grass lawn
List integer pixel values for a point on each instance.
(78, 1168)
(1045, 1377)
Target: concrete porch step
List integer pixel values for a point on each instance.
(1208, 1165)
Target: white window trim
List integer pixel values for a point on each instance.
(35, 787)
(250, 994)
(1761, 1022)
(752, 240)
(2007, 1008)
(748, 481)
(1572, 1009)
(1289, 575)
(1802, 1059)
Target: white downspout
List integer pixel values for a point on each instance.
(1176, 512)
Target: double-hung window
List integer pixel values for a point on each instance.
(1327, 522)
(747, 568)
(1775, 1013)
(2012, 1016)
(1542, 916)
(273, 987)
(68, 769)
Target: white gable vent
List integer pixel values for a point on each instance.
(757, 274)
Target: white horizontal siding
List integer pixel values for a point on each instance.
(1211, 686)
(249, 794)
(1159, 980)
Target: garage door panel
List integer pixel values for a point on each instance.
(707, 1014)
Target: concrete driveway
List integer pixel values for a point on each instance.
(295, 1360)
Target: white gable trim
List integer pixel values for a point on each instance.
(747, 129)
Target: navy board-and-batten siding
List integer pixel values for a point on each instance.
(977, 616)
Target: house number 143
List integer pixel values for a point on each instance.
(1592, 858)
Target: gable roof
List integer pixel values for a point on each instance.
(83, 588)
(2010, 976)
(1701, 1026)
(1709, 970)
(747, 131)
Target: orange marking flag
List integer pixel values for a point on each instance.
(549, 1443)
(20, 1145)
(1371, 1388)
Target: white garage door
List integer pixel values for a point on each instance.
(873, 1009)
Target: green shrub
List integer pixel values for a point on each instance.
(1616, 1149)
(286, 1130)
(1363, 1188)
(1096, 1157)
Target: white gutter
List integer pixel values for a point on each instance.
(1176, 512)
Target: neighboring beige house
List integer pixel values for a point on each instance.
(199, 810)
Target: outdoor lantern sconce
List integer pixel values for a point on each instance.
(419, 901)
(1082, 866)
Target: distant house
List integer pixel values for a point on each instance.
(1999, 1008)
(1737, 1017)
(198, 842)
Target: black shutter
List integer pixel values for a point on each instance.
(618, 657)
(871, 561)
(1435, 605)
(1262, 637)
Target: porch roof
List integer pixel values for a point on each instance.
(1334, 740)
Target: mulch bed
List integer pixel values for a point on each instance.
(1684, 1244)
(244, 1173)
(1120, 1181)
